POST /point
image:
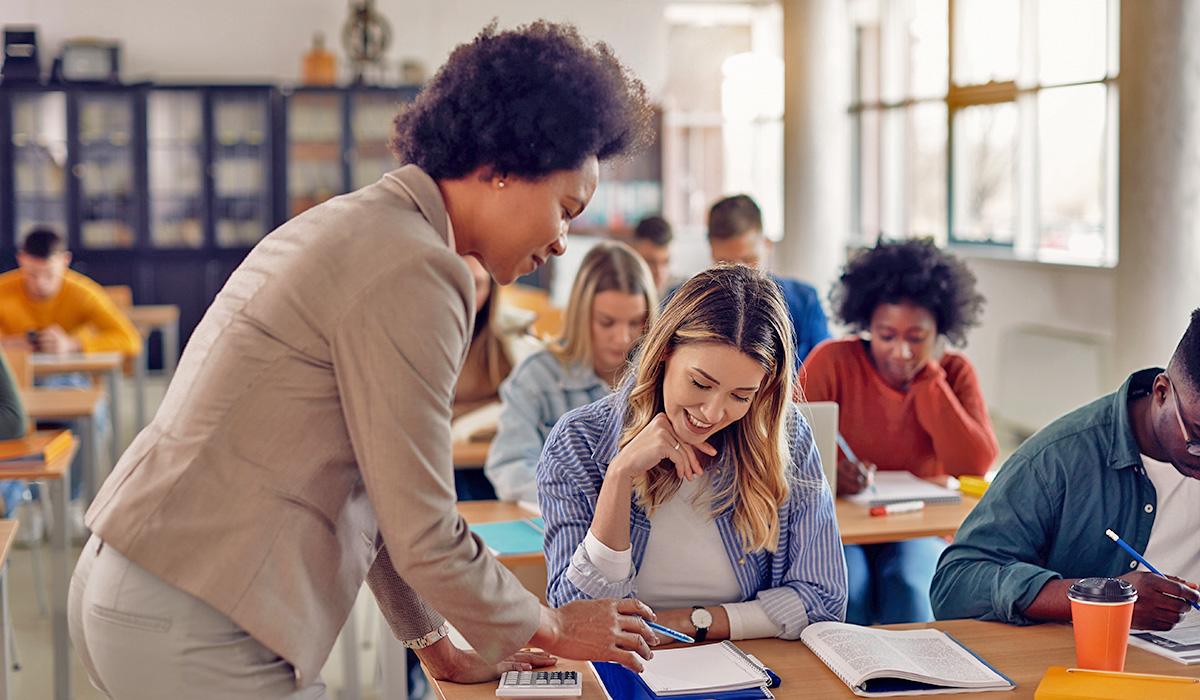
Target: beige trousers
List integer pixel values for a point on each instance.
(142, 638)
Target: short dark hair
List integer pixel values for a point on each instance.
(733, 216)
(528, 102)
(914, 270)
(1187, 353)
(654, 229)
(42, 242)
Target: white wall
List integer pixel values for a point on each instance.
(246, 40)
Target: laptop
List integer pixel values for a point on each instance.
(822, 416)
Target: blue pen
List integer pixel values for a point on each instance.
(677, 636)
(869, 473)
(1113, 536)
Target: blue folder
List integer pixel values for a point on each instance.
(512, 536)
(622, 684)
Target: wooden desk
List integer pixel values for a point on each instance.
(855, 523)
(78, 408)
(1021, 653)
(858, 526)
(58, 472)
(8, 533)
(98, 364)
(163, 318)
(470, 454)
(479, 512)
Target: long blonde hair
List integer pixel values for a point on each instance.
(610, 266)
(741, 308)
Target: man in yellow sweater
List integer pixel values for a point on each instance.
(49, 308)
(46, 307)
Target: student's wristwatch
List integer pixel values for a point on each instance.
(701, 619)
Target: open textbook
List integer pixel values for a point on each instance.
(1181, 643)
(877, 662)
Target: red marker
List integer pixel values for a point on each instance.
(901, 507)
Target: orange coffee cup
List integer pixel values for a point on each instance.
(1101, 610)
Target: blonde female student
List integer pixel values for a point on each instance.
(613, 301)
(697, 487)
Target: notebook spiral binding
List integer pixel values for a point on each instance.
(745, 658)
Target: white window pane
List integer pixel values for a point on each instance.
(869, 166)
(985, 147)
(926, 166)
(1071, 138)
(929, 37)
(1072, 41)
(986, 33)
(867, 39)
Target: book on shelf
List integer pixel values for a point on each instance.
(900, 486)
(877, 662)
(718, 671)
(1180, 643)
(34, 449)
(512, 536)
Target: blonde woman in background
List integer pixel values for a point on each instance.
(613, 301)
(697, 487)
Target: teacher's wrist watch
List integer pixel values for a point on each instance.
(701, 619)
(428, 639)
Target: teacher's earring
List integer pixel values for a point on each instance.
(500, 184)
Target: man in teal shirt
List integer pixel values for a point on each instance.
(1111, 464)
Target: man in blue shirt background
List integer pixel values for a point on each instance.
(1129, 462)
(735, 234)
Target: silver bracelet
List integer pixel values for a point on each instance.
(422, 642)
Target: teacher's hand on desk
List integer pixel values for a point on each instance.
(446, 662)
(598, 630)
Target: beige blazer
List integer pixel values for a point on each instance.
(308, 426)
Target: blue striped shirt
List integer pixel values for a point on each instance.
(801, 582)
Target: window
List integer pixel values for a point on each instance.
(722, 116)
(988, 124)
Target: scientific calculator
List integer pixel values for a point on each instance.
(539, 684)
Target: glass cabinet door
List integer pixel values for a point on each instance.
(315, 164)
(372, 113)
(241, 168)
(39, 136)
(175, 133)
(104, 168)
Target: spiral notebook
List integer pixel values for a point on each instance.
(711, 671)
(900, 486)
(877, 662)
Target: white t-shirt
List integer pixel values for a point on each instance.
(1172, 548)
(685, 564)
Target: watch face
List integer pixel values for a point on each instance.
(701, 618)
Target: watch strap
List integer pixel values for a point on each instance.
(701, 632)
(428, 639)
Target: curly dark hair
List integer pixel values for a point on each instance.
(915, 270)
(528, 102)
(1187, 354)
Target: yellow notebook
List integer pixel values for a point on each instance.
(1075, 684)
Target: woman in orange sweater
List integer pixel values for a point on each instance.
(906, 402)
